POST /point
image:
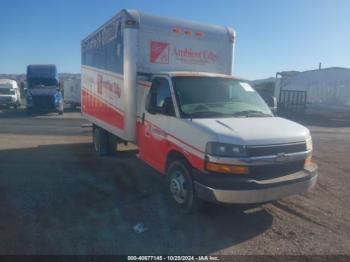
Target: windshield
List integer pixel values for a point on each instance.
(6, 89)
(42, 82)
(202, 97)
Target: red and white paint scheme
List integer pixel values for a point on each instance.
(166, 85)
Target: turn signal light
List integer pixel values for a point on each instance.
(228, 169)
(308, 160)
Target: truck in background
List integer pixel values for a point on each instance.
(43, 89)
(167, 85)
(71, 92)
(9, 93)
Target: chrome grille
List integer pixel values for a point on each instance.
(276, 170)
(270, 150)
(44, 102)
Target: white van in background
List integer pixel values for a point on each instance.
(9, 93)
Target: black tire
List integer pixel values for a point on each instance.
(112, 144)
(100, 141)
(60, 113)
(178, 176)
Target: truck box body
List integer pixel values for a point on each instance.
(71, 91)
(134, 43)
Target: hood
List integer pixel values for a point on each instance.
(43, 91)
(255, 130)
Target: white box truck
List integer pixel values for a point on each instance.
(167, 85)
(71, 92)
(10, 94)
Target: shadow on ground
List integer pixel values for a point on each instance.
(18, 123)
(62, 199)
(21, 112)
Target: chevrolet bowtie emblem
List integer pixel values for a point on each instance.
(281, 158)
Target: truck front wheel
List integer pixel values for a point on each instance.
(180, 187)
(100, 140)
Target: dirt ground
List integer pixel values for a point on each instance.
(58, 197)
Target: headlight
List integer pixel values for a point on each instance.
(29, 96)
(216, 149)
(308, 142)
(58, 98)
(225, 150)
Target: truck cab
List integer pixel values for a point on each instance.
(217, 140)
(9, 93)
(43, 89)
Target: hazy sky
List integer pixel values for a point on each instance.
(272, 35)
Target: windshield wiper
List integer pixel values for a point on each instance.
(248, 113)
(203, 114)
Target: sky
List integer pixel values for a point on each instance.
(272, 35)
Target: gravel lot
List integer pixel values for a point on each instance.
(58, 197)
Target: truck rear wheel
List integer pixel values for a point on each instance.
(100, 140)
(180, 187)
(112, 144)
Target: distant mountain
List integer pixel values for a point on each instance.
(22, 77)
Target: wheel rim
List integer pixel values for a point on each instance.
(178, 187)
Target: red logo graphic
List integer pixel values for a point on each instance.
(159, 52)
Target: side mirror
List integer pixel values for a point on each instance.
(271, 101)
(168, 107)
(153, 110)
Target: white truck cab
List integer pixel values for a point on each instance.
(169, 89)
(9, 93)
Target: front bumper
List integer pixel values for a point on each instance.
(45, 104)
(236, 189)
(8, 104)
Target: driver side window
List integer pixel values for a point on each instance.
(159, 98)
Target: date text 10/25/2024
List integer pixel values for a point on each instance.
(173, 258)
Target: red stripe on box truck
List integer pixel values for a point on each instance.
(96, 107)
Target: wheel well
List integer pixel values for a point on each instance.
(174, 155)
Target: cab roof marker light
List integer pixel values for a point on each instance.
(177, 30)
(188, 32)
(199, 34)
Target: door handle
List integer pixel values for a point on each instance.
(143, 117)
